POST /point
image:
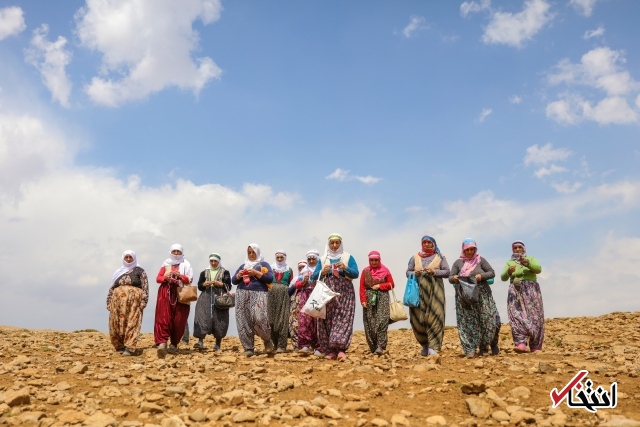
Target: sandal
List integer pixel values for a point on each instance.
(331, 356)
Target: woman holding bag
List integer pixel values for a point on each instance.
(427, 319)
(171, 315)
(375, 283)
(478, 323)
(209, 318)
(307, 325)
(337, 269)
(279, 302)
(524, 301)
(295, 306)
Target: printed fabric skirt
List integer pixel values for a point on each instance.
(171, 316)
(478, 324)
(279, 311)
(293, 318)
(376, 320)
(335, 332)
(251, 317)
(526, 314)
(125, 317)
(307, 325)
(427, 320)
(210, 320)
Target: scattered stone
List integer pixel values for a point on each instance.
(545, 368)
(173, 391)
(235, 397)
(359, 406)
(400, 420)
(478, 408)
(379, 422)
(151, 408)
(620, 421)
(438, 420)
(520, 392)
(473, 387)
(31, 417)
(329, 412)
(244, 416)
(71, 417)
(522, 416)
(500, 416)
(173, 421)
(78, 369)
(197, 416)
(100, 419)
(16, 398)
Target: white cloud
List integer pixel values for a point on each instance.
(598, 32)
(514, 29)
(515, 99)
(611, 110)
(565, 187)
(638, 101)
(51, 59)
(146, 46)
(416, 23)
(585, 7)
(344, 175)
(537, 155)
(483, 115)
(562, 111)
(546, 171)
(11, 21)
(469, 7)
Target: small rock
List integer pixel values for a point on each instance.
(153, 397)
(174, 421)
(197, 416)
(285, 384)
(359, 406)
(151, 408)
(297, 411)
(434, 359)
(244, 416)
(329, 412)
(31, 417)
(621, 421)
(78, 369)
(520, 393)
(71, 417)
(558, 420)
(438, 420)
(500, 416)
(520, 416)
(512, 408)
(545, 368)
(235, 397)
(123, 381)
(379, 422)
(474, 387)
(478, 407)
(400, 420)
(16, 398)
(63, 385)
(172, 391)
(153, 377)
(320, 401)
(228, 359)
(100, 419)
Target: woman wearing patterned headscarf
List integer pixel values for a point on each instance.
(524, 301)
(338, 269)
(209, 319)
(427, 320)
(375, 283)
(307, 325)
(253, 279)
(279, 304)
(478, 323)
(127, 297)
(295, 306)
(171, 315)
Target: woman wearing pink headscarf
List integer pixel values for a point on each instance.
(479, 322)
(375, 283)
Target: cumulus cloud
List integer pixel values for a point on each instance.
(416, 23)
(601, 69)
(565, 187)
(146, 46)
(11, 21)
(598, 32)
(546, 171)
(537, 155)
(470, 7)
(585, 7)
(515, 99)
(486, 112)
(514, 29)
(51, 59)
(344, 175)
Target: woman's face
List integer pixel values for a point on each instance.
(469, 252)
(128, 258)
(280, 258)
(374, 262)
(427, 245)
(312, 261)
(214, 263)
(300, 267)
(517, 249)
(334, 244)
(176, 252)
(251, 254)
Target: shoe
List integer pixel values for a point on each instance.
(470, 355)
(424, 352)
(432, 352)
(172, 349)
(495, 349)
(305, 350)
(342, 355)
(379, 351)
(199, 346)
(484, 354)
(537, 350)
(248, 353)
(126, 352)
(120, 350)
(280, 351)
(216, 347)
(317, 353)
(162, 350)
(269, 347)
(521, 348)
(331, 356)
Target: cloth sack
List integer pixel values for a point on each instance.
(224, 300)
(316, 304)
(396, 310)
(411, 293)
(468, 290)
(187, 294)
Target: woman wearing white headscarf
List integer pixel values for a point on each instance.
(295, 306)
(171, 315)
(278, 302)
(307, 325)
(338, 269)
(253, 279)
(128, 296)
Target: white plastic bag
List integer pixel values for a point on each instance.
(316, 304)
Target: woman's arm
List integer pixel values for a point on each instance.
(201, 281)
(534, 265)
(160, 276)
(444, 269)
(145, 289)
(266, 278)
(389, 284)
(411, 266)
(351, 271)
(455, 269)
(234, 278)
(316, 272)
(488, 272)
(504, 276)
(363, 292)
(110, 293)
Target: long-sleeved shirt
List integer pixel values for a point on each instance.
(483, 268)
(443, 271)
(351, 272)
(184, 279)
(130, 279)
(254, 284)
(225, 278)
(386, 284)
(522, 272)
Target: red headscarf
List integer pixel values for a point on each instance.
(380, 272)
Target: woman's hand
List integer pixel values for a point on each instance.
(206, 284)
(340, 265)
(430, 271)
(167, 274)
(478, 277)
(418, 273)
(511, 269)
(456, 279)
(375, 287)
(524, 261)
(326, 269)
(218, 284)
(364, 304)
(239, 275)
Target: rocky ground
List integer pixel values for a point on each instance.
(53, 378)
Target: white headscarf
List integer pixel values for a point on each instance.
(328, 253)
(185, 266)
(307, 268)
(126, 266)
(280, 267)
(248, 265)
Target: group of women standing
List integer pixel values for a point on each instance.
(269, 301)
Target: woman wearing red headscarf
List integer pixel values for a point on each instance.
(375, 283)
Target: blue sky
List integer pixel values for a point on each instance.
(135, 125)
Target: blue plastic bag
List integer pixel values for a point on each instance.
(411, 293)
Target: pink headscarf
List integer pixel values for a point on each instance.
(469, 263)
(380, 272)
